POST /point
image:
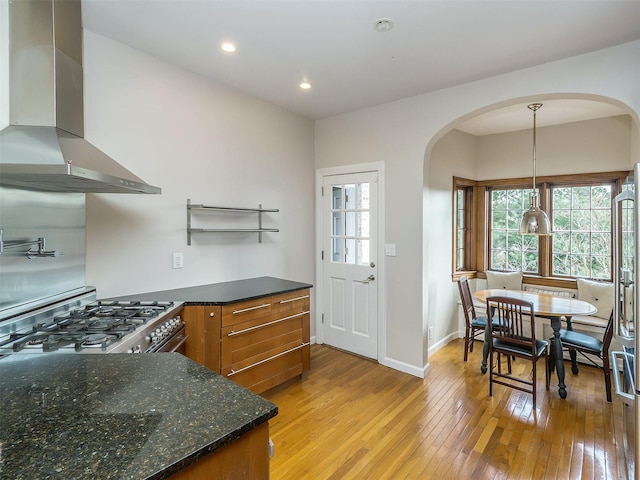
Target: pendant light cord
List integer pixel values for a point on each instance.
(534, 107)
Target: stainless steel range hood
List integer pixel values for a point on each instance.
(43, 147)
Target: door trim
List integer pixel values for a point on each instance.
(377, 167)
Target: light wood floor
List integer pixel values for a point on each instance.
(350, 418)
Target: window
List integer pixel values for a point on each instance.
(579, 207)
(581, 240)
(510, 250)
(350, 231)
(461, 229)
(463, 225)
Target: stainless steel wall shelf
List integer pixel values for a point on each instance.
(259, 211)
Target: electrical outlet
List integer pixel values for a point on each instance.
(430, 333)
(178, 260)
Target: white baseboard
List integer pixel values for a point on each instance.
(405, 367)
(449, 338)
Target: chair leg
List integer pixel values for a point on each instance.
(534, 382)
(574, 362)
(491, 372)
(472, 339)
(607, 376)
(466, 343)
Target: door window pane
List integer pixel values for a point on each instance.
(336, 196)
(337, 246)
(363, 224)
(349, 196)
(351, 227)
(350, 224)
(363, 196)
(337, 225)
(350, 253)
(363, 252)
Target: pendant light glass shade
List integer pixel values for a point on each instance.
(535, 221)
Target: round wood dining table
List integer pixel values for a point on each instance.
(544, 305)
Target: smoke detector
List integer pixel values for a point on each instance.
(383, 25)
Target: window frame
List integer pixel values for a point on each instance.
(480, 212)
(469, 189)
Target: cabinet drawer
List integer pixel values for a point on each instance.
(285, 302)
(271, 372)
(244, 311)
(248, 343)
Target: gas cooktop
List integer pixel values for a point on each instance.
(97, 327)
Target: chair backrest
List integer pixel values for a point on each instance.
(467, 301)
(510, 317)
(608, 335)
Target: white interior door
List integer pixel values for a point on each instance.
(350, 298)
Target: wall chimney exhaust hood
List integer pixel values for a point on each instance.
(43, 147)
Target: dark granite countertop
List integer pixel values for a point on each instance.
(117, 416)
(225, 292)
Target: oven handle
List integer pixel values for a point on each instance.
(173, 344)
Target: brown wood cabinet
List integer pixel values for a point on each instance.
(246, 457)
(258, 343)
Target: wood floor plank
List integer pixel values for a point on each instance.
(351, 418)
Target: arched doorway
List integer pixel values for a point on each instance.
(477, 146)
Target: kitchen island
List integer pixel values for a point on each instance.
(255, 332)
(124, 416)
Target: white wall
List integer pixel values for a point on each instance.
(402, 134)
(199, 140)
(580, 147)
(455, 154)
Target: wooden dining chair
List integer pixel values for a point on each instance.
(588, 347)
(512, 339)
(475, 325)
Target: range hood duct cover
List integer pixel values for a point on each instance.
(44, 148)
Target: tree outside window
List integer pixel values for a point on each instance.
(509, 250)
(581, 231)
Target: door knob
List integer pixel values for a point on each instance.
(370, 278)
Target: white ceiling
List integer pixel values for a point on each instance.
(433, 44)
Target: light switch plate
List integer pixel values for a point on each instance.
(390, 249)
(178, 260)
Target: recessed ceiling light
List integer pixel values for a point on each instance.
(228, 47)
(305, 85)
(383, 25)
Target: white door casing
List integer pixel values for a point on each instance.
(349, 226)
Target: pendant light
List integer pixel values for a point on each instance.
(534, 221)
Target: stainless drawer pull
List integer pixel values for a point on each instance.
(262, 325)
(294, 299)
(235, 312)
(234, 372)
